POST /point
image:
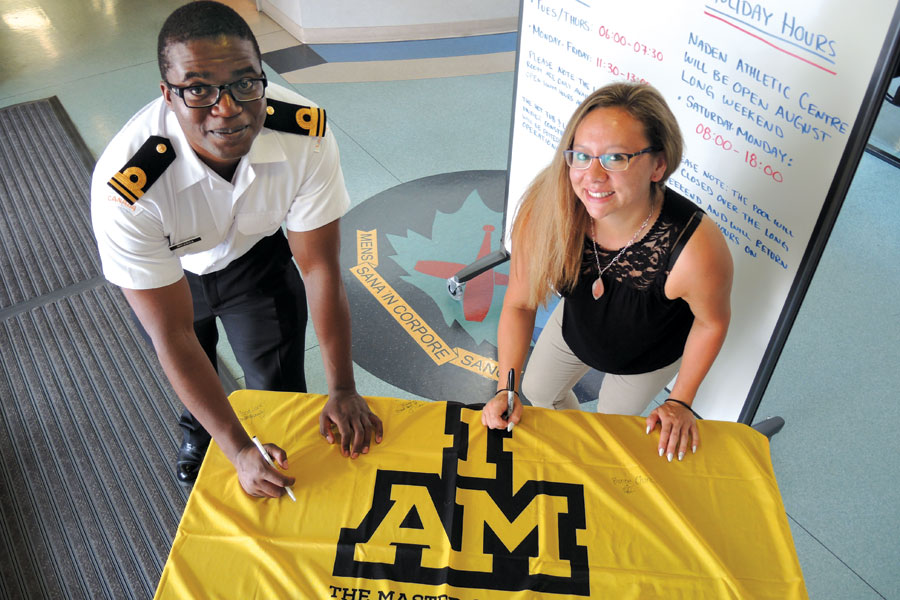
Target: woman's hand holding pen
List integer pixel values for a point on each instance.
(494, 416)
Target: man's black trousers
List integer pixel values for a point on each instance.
(261, 301)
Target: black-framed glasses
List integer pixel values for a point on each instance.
(617, 161)
(247, 89)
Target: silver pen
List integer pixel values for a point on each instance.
(510, 392)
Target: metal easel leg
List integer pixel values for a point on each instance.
(769, 427)
(457, 283)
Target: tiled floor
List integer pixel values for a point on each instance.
(414, 110)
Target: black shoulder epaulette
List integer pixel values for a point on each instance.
(144, 168)
(293, 118)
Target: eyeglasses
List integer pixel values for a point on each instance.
(617, 161)
(204, 96)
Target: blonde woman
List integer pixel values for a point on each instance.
(645, 278)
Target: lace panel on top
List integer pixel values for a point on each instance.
(641, 264)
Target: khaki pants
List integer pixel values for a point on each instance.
(553, 370)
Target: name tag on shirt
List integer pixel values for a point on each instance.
(185, 243)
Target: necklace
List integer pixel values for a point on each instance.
(597, 287)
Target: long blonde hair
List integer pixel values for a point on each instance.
(551, 222)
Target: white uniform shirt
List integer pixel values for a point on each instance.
(192, 219)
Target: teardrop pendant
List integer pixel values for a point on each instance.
(597, 288)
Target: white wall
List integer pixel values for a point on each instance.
(324, 21)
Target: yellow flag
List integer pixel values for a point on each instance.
(569, 505)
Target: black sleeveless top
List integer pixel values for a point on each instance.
(633, 328)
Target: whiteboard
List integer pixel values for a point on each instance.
(767, 95)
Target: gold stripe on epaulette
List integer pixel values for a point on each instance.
(311, 120)
(143, 169)
(293, 118)
(129, 183)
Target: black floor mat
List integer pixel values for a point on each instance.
(89, 502)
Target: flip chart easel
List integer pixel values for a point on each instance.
(776, 101)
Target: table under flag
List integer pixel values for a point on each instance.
(568, 505)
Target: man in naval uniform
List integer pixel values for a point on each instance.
(188, 202)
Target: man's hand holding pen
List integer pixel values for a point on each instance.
(258, 476)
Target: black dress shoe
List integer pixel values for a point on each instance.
(190, 457)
